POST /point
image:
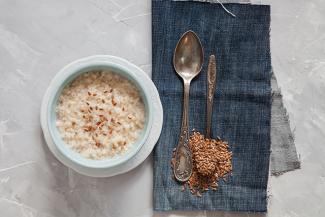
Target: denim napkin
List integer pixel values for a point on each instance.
(284, 157)
(242, 108)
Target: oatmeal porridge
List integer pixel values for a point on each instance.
(100, 114)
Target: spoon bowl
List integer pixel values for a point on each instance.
(188, 56)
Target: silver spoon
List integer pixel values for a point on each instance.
(211, 80)
(188, 61)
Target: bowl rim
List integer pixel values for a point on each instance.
(74, 68)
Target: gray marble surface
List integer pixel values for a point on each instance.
(38, 37)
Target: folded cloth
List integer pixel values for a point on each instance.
(220, 1)
(242, 109)
(284, 156)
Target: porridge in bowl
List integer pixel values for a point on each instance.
(100, 114)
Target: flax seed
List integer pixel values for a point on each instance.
(211, 162)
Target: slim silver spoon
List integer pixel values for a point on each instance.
(188, 61)
(211, 80)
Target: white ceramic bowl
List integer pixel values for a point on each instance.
(66, 75)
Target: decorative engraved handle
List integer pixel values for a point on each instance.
(183, 165)
(211, 80)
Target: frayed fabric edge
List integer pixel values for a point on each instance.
(282, 150)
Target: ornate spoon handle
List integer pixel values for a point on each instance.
(183, 165)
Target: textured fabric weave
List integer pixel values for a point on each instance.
(284, 157)
(219, 1)
(242, 107)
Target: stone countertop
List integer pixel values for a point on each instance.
(37, 38)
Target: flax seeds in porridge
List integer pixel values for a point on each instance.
(100, 114)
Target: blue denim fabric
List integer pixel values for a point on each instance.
(242, 108)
